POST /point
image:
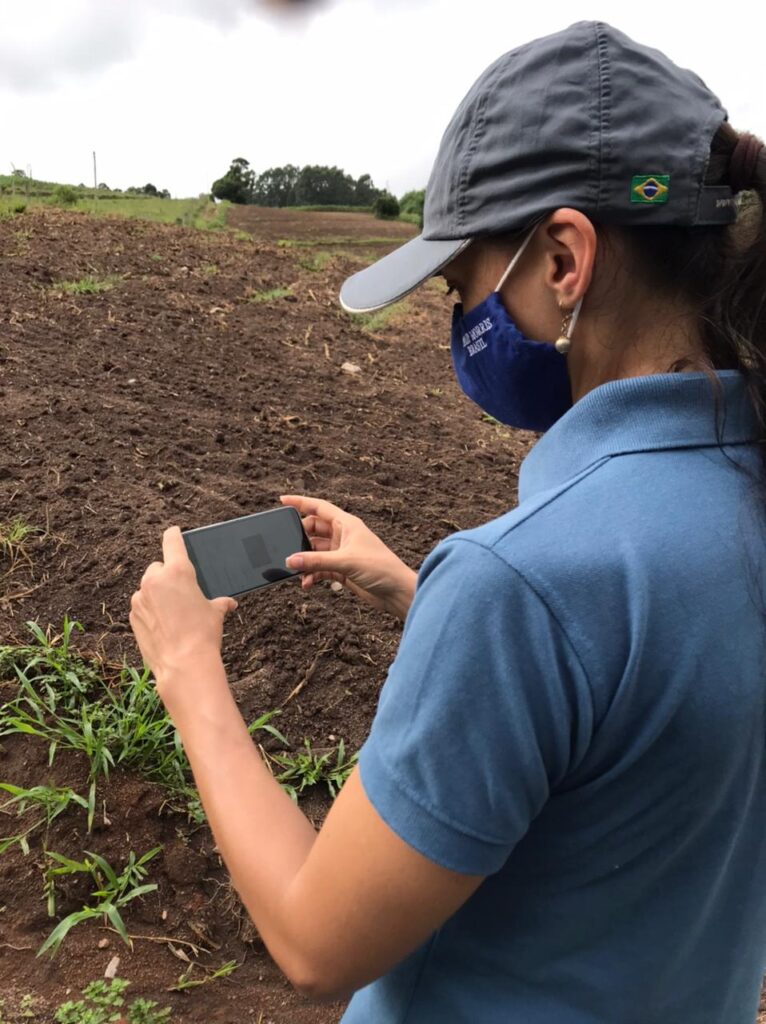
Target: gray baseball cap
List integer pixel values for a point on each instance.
(585, 118)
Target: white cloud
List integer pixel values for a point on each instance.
(170, 91)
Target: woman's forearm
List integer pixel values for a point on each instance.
(261, 834)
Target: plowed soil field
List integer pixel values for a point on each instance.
(204, 380)
(201, 383)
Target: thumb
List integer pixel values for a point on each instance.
(317, 561)
(225, 604)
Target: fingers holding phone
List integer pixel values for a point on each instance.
(345, 550)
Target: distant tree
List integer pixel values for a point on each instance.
(18, 173)
(324, 186)
(386, 206)
(365, 192)
(102, 185)
(146, 190)
(276, 186)
(237, 184)
(413, 203)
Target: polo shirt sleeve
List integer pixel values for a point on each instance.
(479, 716)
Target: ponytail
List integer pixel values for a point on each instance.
(719, 271)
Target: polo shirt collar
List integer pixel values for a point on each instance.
(640, 414)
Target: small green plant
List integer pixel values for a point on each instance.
(65, 195)
(371, 323)
(112, 893)
(50, 800)
(101, 1004)
(14, 534)
(307, 768)
(88, 285)
(269, 296)
(316, 262)
(186, 981)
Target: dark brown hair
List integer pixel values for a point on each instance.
(720, 272)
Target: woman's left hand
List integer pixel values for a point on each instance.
(175, 625)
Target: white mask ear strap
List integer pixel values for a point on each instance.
(515, 259)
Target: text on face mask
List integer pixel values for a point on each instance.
(472, 339)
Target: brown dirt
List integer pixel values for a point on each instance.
(171, 398)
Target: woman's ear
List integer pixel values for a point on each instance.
(570, 242)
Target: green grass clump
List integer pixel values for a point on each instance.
(65, 701)
(371, 323)
(12, 207)
(111, 894)
(269, 296)
(50, 801)
(316, 262)
(88, 285)
(307, 768)
(14, 534)
(319, 243)
(65, 195)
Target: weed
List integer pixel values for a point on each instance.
(371, 323)
(50, 800)
(65, 195)
(88, 285)
(243, 236)
(318, 261)
(269, 296)
(66, 701)
(12, 208)
(101, 1002)
(210, 269)
(186, 981)
(13, 537)
(307, 768)
(112, 893)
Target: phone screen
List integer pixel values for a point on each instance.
(243, 554)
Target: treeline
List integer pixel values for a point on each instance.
(312, 185)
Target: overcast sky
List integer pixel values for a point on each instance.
(169, 91)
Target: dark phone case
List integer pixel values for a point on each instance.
(247, 553)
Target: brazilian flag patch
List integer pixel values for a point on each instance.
(653, 189)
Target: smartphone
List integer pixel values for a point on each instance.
(243, 554)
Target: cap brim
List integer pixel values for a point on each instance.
(398, 274)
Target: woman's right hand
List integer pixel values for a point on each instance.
(348, 552)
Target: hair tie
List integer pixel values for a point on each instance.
(743, 162)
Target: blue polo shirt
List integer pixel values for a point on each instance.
(578, 712)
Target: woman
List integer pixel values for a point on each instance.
(559, 813)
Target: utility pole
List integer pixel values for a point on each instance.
(95, 178)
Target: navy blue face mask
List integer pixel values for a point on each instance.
(520, 382)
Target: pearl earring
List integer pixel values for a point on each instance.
(564, 341)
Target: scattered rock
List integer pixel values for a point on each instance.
(111, 967)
